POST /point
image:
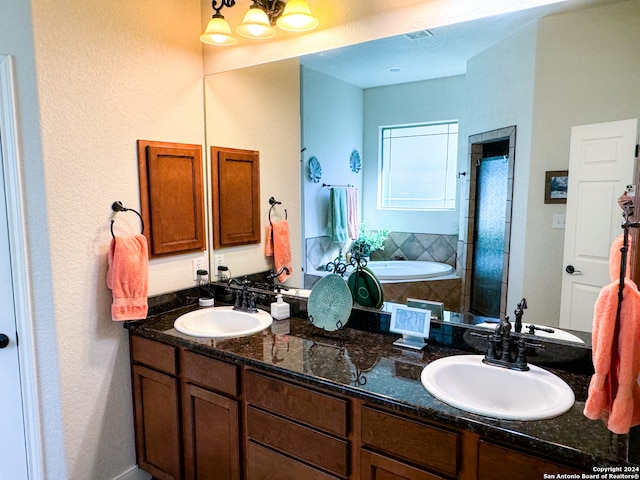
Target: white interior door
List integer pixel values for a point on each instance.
(16, 364)
(601, 164)
(12, 432)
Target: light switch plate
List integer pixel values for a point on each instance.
(559, 220)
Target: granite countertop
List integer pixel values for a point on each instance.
(368, 366)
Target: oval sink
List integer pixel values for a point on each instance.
(222, 322)
(463, 381)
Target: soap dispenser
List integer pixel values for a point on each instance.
(280, 309)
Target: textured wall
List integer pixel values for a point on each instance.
(415, 102)
(332, 116)
(108, 73)
(258, 108)
(500, 94)
(599, 83)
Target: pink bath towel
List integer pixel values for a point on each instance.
(279, 246)
(128, 277)
(614, 391)
(268, 246)
(615, 258)
(353, 221)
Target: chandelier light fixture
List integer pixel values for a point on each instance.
(258, 22)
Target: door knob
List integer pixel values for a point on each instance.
(4, 340)
(572, 271)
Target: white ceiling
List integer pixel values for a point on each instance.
(444, 54)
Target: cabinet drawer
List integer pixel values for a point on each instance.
(211, 373)
(298, 403)
(154, 354)
(301, 442)
(265, 464)
(411, 440)
(496, 463)
(377, 467)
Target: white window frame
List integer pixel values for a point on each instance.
(450, 169)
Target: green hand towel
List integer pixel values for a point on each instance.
(338, 215)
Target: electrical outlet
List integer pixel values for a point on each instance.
(198, 264)
(217, 261)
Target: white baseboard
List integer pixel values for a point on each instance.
(134, 473)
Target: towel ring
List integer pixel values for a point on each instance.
(273, 202)
(118, 207)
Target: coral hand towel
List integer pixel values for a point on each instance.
(614, 392)
(353, 221)
(128, 277)
(279, 246)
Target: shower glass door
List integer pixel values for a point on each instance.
(489, 235)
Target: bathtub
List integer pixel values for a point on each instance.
(396, 271)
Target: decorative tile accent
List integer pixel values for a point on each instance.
(320, 251)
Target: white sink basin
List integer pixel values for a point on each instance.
(463, 381)
(222, 322)
(557, 333)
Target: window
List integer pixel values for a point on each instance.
(417, 166)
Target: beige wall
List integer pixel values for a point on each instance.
(599, 83)
(258, 108)
(108, 74)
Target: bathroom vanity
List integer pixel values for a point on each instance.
(290, 403)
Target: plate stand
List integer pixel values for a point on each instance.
(408, 341)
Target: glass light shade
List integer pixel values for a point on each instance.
(297, 17)
(218, 32)
(255, 24)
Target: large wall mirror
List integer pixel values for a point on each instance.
(539, 71)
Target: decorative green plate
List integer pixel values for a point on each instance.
(329, 304)
(366, 288)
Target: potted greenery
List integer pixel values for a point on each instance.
(369, 240)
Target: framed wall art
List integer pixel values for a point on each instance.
(555, 186)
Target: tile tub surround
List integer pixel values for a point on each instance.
(399, 245)
(405, 246)
(393, 376)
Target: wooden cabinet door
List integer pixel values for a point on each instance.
(172, 197)
(497, 463)
(378, 467)
(235, 196)
(211, 435)
(157, 423)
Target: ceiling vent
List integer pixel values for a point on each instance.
(420, 34)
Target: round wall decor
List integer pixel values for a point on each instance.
(315, 170)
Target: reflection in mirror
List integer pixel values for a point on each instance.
(533, 77)
(542, 75)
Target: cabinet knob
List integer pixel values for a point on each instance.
(4, 340)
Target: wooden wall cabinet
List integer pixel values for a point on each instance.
(172, 197)
(235, 196)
